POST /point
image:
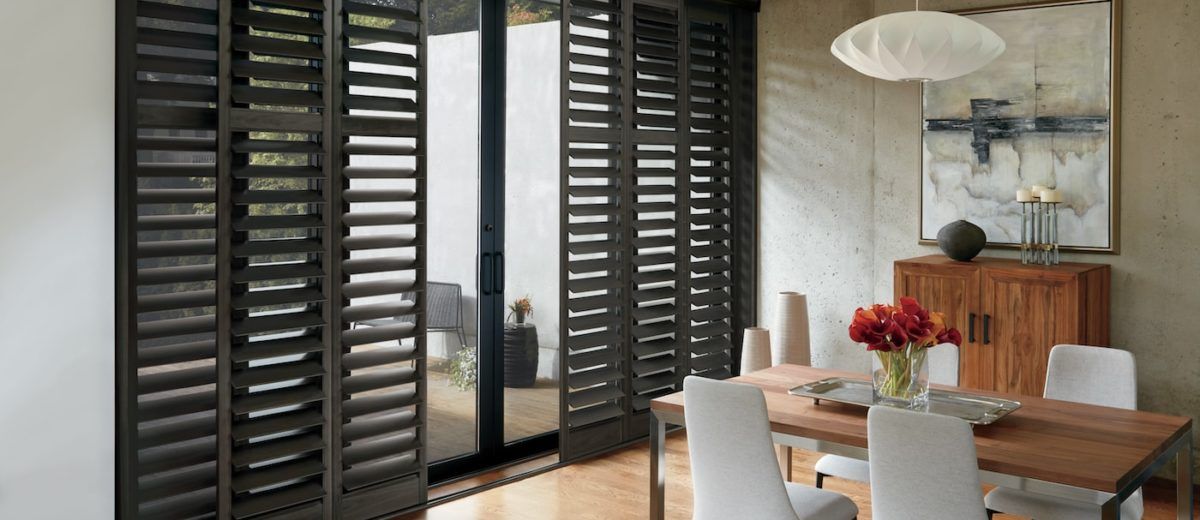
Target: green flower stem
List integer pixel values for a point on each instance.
(899, 366)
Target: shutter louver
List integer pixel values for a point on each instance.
(594, 186)
(271, 199)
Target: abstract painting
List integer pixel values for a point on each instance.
(1042, 113)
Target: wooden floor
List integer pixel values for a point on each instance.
(615, 486)
(451, 415)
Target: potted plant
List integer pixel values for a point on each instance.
(899, 337)
(521, 308)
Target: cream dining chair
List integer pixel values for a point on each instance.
(943, 370)
(734, 470)
(1090, 375)
(923, 467)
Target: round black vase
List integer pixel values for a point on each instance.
(961, 240)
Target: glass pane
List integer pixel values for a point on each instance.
(453, 205)
(531, 231)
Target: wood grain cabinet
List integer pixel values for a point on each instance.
(1010, 314)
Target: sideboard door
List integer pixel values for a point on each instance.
(952, 289)
(1026, 312)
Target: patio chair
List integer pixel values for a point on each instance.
(443, 311)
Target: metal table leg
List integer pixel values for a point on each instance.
(1111, 510)
(658, 460)
(1183, 480)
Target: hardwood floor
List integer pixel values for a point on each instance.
(614, 486)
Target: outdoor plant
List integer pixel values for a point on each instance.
(464, 371)
(521, 308)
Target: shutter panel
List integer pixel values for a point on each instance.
(594, 279)
(278, 257)
(270, 202)
(169, 331)
(382, 235)
(649, 156)
(658, 248)
(710, 62)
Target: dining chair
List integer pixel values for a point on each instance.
(923, 467)
(734, 470)
(943, 370)
(1082, 374)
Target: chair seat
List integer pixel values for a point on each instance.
(1045, 507)
(844, 467)
(811, 503)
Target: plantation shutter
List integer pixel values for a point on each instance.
(269, 205)
(653, 178)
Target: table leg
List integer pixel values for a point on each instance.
(1111, 510)
(1183, 480)
(785, 461)
(658, 459)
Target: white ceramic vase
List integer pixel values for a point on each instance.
(756, 349)
(789, 343)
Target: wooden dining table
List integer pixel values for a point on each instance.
(1057, 448)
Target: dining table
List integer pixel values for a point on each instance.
(1059, 448)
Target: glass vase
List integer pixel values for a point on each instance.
(901, 378)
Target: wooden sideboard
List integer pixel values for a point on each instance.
(1010, 315)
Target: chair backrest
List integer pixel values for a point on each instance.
(444, 305)
(923, 467)
(1092, 375)
(943, 364)
(734, 470)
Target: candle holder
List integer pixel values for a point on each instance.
(1039, 232)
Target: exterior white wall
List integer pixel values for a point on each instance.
(57, 260)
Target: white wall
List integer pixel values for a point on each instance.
(56, 260)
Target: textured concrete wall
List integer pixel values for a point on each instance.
(815, 141)
(1156, 278)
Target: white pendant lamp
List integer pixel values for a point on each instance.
(918, 46)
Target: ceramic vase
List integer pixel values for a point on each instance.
(756, 349)
(789, 342)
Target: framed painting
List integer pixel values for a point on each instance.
(1043, 113)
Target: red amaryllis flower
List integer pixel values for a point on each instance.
(918, 322)
(877, 328)
(887, 328)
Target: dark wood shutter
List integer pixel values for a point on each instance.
(256, 139)
(650, 170)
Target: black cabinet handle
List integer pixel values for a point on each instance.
(971, 327)
(485, 273)
(987, 325)
(498, 277)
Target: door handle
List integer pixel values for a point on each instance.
(485, 273)
(971, 327)
(987, 325)
(498, 276)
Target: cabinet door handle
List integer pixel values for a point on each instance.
(485, 273)
(987, 325)
(971, 327)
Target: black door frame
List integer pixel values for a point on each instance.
(491, 451)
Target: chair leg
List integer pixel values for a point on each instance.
(990, 514)
(820, 481)
(462, 337)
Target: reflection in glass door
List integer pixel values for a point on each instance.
(531, 219)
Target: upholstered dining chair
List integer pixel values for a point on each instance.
(734, 470)
(923, 467)
(943, 370)
(1090, 375)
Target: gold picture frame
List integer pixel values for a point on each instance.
(1114, 130)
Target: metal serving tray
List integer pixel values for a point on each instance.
(975, 409)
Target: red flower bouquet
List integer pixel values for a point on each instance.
(899, 337)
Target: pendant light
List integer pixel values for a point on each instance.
(918, 46)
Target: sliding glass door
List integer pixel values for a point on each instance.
(492, 192)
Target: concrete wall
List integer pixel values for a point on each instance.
(838, 186)
(57, 261)
(1156, 277)
(815, 138)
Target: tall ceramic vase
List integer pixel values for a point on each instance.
(789, 343)
(756, 349)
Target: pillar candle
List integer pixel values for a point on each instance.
(1024, 195)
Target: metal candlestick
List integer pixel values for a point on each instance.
(1039, 233)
